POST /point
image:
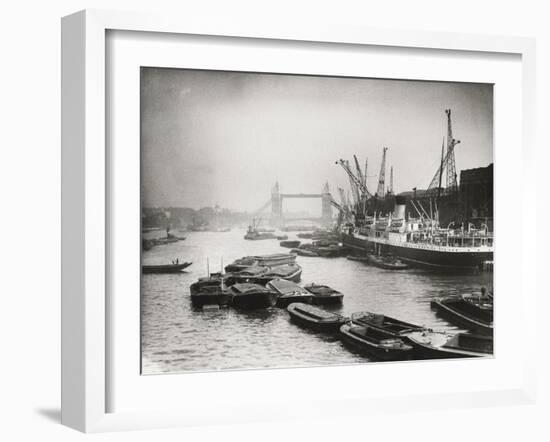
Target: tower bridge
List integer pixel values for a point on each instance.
(276, 202)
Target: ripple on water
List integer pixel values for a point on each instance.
(176, 338)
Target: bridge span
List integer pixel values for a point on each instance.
(277, 218)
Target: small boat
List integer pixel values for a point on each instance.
(315, 318)
(325, 242)
(263, 274)
(289, 292)
(323, 294)
(465, 313)
(254, 235)
(210, 290)
(375, 343)
(176, 237)
(249, 296)
(254, 232)
(383, 323)
(165, 240)
(149, 229)
(290, 272)
(261, 260)
(290, 243)
(364, 259)
(147, 244)
(304, 252)
(327, 251)
(387, 263)
(305, 235)
(166, 268)
(427, 344)
(437, 345)
(281, 237)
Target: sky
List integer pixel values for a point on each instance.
(224, 138)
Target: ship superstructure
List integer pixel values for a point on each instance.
(419, 240)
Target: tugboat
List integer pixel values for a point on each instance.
(254, 232)
(249, 296)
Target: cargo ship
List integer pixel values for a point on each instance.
(422, 242)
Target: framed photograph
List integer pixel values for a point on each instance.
(276, 222)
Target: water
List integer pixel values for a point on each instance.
(176, 338)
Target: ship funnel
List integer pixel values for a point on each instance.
(399, 208)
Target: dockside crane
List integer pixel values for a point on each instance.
(360, 174)
(447, 163)
(390, 189)
(356, 183)
(452, 183)
(382, 176)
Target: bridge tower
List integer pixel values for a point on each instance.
(276, 206)
(326, 204)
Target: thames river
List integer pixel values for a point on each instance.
(177, 338)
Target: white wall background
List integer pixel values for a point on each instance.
(30, 215)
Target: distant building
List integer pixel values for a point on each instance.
(476, 193)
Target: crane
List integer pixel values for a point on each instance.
(360, 174)
(447, 162)
(358, 187)
(382, 176)
(452, 183)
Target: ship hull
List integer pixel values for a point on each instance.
(434, 259)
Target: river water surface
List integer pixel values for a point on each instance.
(177, 338)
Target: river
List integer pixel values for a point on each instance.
(177, 338)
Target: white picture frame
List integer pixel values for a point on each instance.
(86, 201)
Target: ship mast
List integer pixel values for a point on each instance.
(441, 168)
(382, 176)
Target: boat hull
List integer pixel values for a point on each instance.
(264, 279)
(327, 300)
(254, 300)
(438, 259)
(461, 318)
(425, 351)
(199, 300)
(286, 300)
(169, 268)
(369, 348)
(330, 325)
(330, 297)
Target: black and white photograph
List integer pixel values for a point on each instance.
(302, 221)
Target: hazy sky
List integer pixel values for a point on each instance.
(214, 137)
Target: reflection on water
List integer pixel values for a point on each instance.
(177, 338)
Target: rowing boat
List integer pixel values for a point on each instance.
(165, 268)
